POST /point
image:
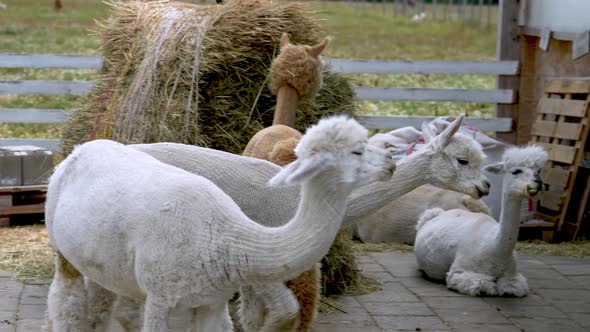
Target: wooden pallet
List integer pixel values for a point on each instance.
(18, 200)
(561, 127)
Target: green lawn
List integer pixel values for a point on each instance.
(27, 26)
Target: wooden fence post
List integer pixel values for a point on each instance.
(462, 9)
(448, 10)
(508, 48)
(490, 7)
(434, 10)
(405, 7)
(480, 13)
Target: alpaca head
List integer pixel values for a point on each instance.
(336, 149)
(521, 167)
(298, 66)
(455, 160)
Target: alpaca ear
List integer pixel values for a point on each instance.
(319, 48)
(427, 132)
(285, 40)
(441, 141)
(496, 168)
(299, 171)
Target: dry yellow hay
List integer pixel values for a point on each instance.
(26, 251)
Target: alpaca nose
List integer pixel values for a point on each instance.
(487, 184)
(539, 182)
(392, 168)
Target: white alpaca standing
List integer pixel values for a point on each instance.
(150, 231)
(473, 251)
(448, 160)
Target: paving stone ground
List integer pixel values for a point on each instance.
(559, 301)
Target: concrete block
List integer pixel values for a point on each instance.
(10, 168)
(24, 165)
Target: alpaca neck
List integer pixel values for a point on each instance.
(286, 108)
(285, 252)
(509, 223)
(410, 173)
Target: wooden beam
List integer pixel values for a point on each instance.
(424, 67)
(508, 49)
(12, 115)
(373, 122)
(18, 189)
(340, 65)
(454, 95)
(44, 87)
(50, 61)
(394, 122)
(22, 209)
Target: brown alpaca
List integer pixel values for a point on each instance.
(58, 5)
(295, 75)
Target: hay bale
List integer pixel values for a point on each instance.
(196, 74)
(340, 272)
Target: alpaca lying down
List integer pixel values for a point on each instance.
(396, 222)
(473, 252)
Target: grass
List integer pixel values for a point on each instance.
(30, 26)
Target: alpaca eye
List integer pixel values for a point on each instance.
(516, 171)
(463, 161)
(358, 153)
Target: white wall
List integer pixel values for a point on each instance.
(559, 15)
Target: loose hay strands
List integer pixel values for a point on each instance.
(365, 248)
(26, 251)
(196, 74)
(535, 247)
(578, 249)
(340, 272)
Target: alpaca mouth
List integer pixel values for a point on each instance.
(387, 174)
(481, 193)
(532, 192)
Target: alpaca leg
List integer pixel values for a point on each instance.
(251, 311)
(306, 289)
(155, 316)
(283, 308)
(66, 301)
(513, 284)
(100, 304)
(127, 313)
(212, 319)
(472, 283)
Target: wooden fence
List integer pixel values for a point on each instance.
(484, 12)
(496, 96)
